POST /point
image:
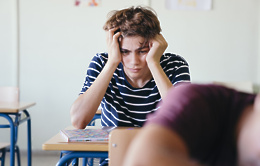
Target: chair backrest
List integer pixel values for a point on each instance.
(9, 94)
(119, 140)
(245, 86)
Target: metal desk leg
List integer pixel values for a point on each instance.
(12, 138)
(73, 162)
(29, 143)
(85, 162)
(69, 156)
(17, 151)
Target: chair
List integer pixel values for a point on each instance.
(119, 140)
(9, 94)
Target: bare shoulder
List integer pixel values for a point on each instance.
(157, 145)
(163, 137)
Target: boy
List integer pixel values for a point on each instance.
(133, 76)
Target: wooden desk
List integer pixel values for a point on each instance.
(6, 107)
(76, 149)
(120, 136)
(58, 143)
(7, 110)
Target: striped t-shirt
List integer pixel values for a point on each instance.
(124, 105)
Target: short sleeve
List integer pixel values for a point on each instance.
(176, 68)
(95, 67)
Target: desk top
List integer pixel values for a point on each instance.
(57, 143)
(6, 107)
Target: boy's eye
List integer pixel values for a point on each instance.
(124, 51)
(143, 52)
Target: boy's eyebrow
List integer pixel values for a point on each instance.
(123, 49)
(140, 48)
(145, 47)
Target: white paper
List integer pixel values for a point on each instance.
(189, 4)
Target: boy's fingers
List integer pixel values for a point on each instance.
(111, 34)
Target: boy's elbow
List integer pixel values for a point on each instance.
(77, 123)
(76, 120)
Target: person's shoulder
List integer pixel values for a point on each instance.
(201, 86)
(100, 58)
(205, 89)
(173, 57)
(102, 55)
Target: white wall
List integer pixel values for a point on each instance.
(58, 40)
(8, 45)
(220, 44)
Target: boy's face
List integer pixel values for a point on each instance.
(134, 53)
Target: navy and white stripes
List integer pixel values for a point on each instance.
(124, 105)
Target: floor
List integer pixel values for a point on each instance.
(40, 158)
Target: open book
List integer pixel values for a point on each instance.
(81, 135)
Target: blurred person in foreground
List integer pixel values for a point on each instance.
(200, 125)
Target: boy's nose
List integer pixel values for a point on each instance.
(135, 58)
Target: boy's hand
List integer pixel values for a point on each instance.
(157, 47)
(114, 54)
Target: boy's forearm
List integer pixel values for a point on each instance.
(162, 81)
(86, 105)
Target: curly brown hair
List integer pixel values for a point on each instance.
(134, 21)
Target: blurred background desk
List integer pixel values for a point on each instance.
(16, 113)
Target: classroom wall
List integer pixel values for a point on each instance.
(57, 41)
(8, 51)
(220, 44)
